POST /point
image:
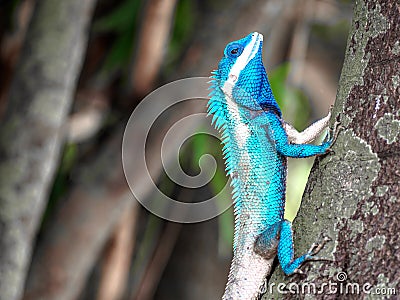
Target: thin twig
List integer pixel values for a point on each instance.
(117, 258)
(152, 44)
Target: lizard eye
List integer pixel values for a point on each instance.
(234, 50)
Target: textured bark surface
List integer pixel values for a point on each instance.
(353, 194)
(30, 135)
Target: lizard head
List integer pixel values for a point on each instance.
(241, 74)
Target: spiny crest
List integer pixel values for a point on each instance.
(217, 106)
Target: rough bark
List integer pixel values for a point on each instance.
(31, 135)
(353, 193)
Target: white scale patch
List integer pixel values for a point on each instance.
(249, 277)
(242, 131)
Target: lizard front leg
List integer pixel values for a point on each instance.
(309, 134)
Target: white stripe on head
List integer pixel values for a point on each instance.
(247, 55)
(242, 131)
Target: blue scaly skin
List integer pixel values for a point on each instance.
(257, 142)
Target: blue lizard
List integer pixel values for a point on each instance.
(257, 142)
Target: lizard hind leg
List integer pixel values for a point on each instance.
(266, 244)
(286, 250)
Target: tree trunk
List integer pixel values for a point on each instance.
(353, 193)
(31, 135)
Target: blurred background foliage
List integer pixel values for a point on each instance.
(159, 259)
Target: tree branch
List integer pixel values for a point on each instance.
(352, 194)
(30, 136)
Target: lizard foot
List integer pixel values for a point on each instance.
(315, 248)
(337, 127)
(332, 135)
(299, 272)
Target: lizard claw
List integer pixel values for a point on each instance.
(337, 127)
(315, 247)
(318, 258)
(299, 272)
(332, 135)
(312, 247)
